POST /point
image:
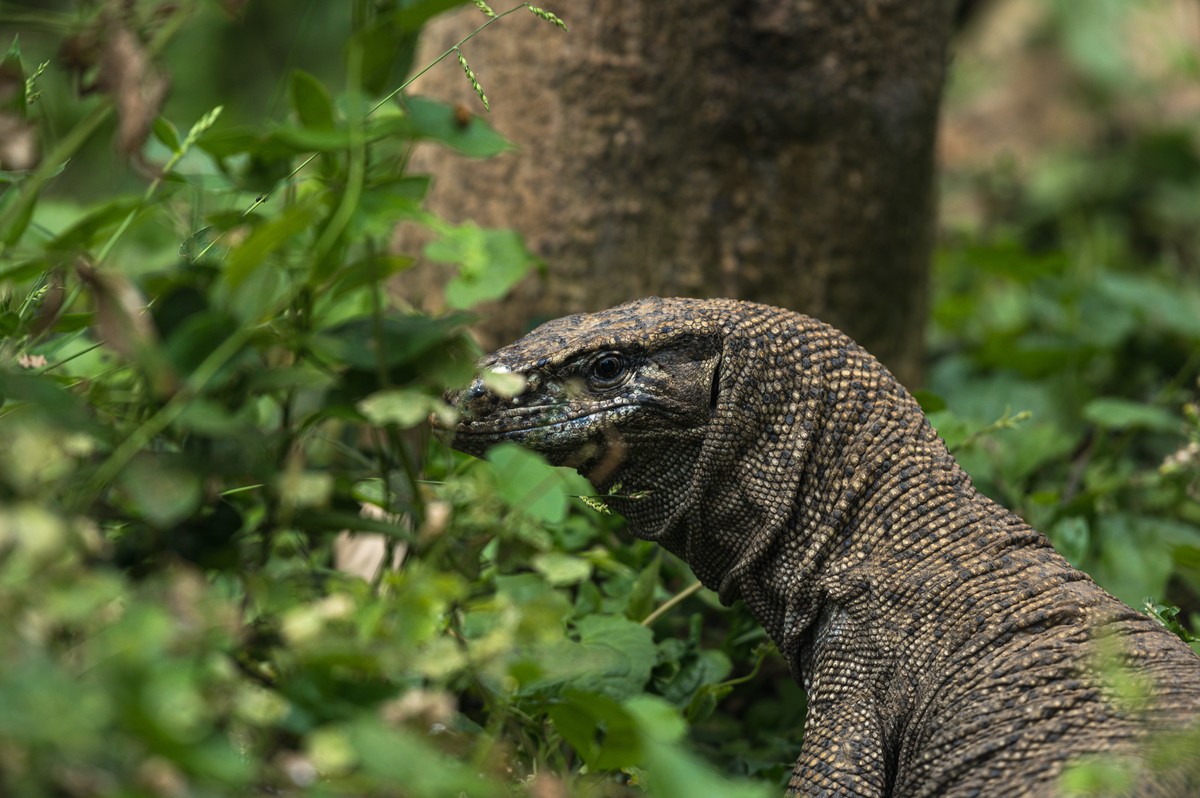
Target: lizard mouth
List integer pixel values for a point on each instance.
(533, 422)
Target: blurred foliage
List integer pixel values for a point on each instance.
(204, 380)
(1066, 321)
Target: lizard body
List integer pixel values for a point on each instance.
(947, 649)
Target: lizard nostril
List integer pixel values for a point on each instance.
(477, 391)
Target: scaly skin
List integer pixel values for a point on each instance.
(947, 649)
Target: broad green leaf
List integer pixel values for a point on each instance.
(195, 338)
(1113, 413)
(641, 597)
(604, 733)
(311, 101)
(490, 262)
(12, 81)
(657, 719)
(526, 483)
(372, 271)
(1072, 536)
(562, 569)
(673, 772)
(413, 14)
(166, 133)
(386, 52)
(505, 384)
(438, 122)
(95, 226)
(1134, 563)
(44, 396)
(631, 648)
(398, 340)
(403, 407)
(397, 756)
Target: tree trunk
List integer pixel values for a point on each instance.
(774, 150)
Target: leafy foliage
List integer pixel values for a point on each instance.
(1074, 300)
(204, 382)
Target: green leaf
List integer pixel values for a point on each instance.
(490, 262)
(657, 719)
(95, 226)
(266, 239)
(1071, 536)
(311, 101)
(413, 14)
(398, 340)
(527, 484)
(603, 732)
(438, 122)
(930, 402)
(562, 569)
(403, 407)
(372, 271)
(1113, 413)
(627, 645)
(166, 133)
(400, 757)
(43, 395)
(1134, 562)
(641, 597)
(161, 490)
(12, 82)
(334, 521)
(386, 53)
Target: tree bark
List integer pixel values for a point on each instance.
(774, 150)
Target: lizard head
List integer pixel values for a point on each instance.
(598, 391)
(712, 425)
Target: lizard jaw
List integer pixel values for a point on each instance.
(559, 440)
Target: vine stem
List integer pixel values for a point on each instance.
(666, 606)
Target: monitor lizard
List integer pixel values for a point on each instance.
(946, 648)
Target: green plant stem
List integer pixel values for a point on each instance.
(356, 174)
(762, 656)
(145, 432)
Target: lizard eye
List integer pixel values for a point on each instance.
(607, 370)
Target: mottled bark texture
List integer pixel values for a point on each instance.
(775, 150)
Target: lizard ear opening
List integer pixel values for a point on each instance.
(715, 390)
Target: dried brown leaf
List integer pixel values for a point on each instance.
(137, 86)
(121, 318)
